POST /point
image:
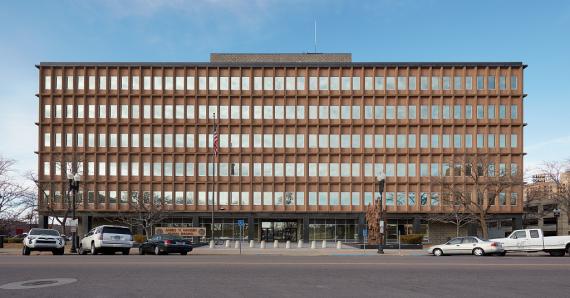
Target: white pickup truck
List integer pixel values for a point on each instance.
(533, 240)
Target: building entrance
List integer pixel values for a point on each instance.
(279, 230)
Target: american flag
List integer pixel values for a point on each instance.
(216, 141)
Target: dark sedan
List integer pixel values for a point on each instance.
(165, 244)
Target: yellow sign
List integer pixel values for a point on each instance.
(183, 232)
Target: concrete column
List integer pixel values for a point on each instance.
(517, 222)
(43, 221)
(361, 226)
(85, 224)
(417, 224)
(195, 224)
(472, 229)
(250, 227)
(306, 229)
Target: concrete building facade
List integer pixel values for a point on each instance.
(301, 137)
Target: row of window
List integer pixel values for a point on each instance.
(269, 83)
(335, 141)
(389, 112)
(280, 198)
(181, 169)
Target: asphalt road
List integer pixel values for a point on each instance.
(288, 276)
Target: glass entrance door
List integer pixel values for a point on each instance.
(279, 230)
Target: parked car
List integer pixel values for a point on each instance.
(107, 239)
(467, 246)
(43, 240)
(165, 244)
(533, 240)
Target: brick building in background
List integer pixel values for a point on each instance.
(301, 139)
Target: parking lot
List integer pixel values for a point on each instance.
(225, 274)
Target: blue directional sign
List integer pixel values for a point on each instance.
(365, 233)
(241, 222)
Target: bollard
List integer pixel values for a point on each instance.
(212, 245)
(262, 245)
(276, 244)
(300, 244)
(324, 245)
(251, 243)
(238, 244)
(228, 245)
(313, 244)
(288, 244)
(339, 245)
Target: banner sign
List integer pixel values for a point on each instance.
(182, 232)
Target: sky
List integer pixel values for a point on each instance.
(536, 33)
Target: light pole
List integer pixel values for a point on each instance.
(73, 181)
(556, 212)
(379, 203)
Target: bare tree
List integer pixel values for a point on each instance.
(11, 193)
(457, 216)
(143, 213)
(475, 176)
(58, 207)
(559, 185)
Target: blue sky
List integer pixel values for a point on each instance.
(534, 32)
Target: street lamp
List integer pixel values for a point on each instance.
(73, 181)
(379, 203)
(556, 212)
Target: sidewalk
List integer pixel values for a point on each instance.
(269, 250)
(306, 251)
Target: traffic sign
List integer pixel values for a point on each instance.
(365, 233)
(241, 222)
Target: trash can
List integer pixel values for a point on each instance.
(2, 241)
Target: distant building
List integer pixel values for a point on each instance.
(541, 211)
(302, 138)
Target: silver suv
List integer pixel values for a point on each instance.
(43, 240)
(107, 239)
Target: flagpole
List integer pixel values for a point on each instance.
(212, 186)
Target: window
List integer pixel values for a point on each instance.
(480, 141)
(457, 83)
(513, 141)
(424, 83)
(324, 83)
(435, 83)
(355, 83)
(390, 112)
(390, 83)
(491, 140)
(368, 83)
(514, 85)
(446, 112)
(491, 111)
(502, 82)
(379, 83)
(434, 112)
(468, 83)
(267, 83)
(468, 112)
(514, 112)
(446, 83)
(412, 83)
(491, 82)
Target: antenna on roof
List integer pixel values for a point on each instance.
(315, 36)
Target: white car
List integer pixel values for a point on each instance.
(467, 246)
(107, 239)
(43, 240)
